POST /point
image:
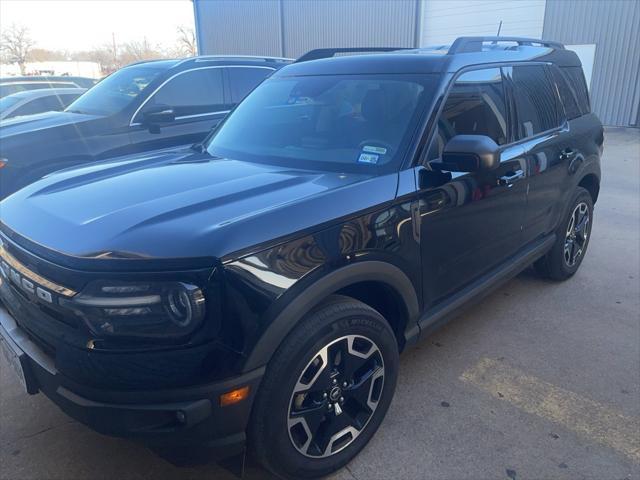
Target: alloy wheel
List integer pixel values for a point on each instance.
(577, 234)
(336, 396)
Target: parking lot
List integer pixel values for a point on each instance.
(540, 380)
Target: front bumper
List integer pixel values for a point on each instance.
(185, 416)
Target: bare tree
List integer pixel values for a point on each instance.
(187, 41)
(16, 44)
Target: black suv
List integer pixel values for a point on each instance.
(262, 288)
(145, 106)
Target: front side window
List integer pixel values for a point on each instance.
(535, 100)
(118, 90)
(475, 106)
(39, 105)
(192, 92)
(329, 122)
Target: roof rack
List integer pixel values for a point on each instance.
(474, 44)
(332, 52)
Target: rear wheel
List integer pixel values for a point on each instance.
(326, 390)
(572, 239)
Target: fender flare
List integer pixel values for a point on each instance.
(289, 317)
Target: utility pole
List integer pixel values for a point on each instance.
(115, 52)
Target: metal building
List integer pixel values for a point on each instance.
(604, 33)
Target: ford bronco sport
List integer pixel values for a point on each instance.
(258, 288)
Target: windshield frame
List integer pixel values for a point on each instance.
(430, 81)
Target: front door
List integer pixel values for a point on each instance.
(472, 222)
(199, 101)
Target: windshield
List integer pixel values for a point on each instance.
(333, 122)
(117, 91)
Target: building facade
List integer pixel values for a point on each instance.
(604, 33)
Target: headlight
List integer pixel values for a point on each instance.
(146, 309)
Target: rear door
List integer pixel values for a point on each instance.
(472, 222)
(542, 131)
(199, 100)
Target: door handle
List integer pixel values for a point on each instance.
(511, 178)
(567, 154)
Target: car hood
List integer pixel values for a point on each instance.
(30, 123)
(177, 203)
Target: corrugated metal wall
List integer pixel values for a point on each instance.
(613, 26)
(231, 27)
(344, 23)
(445, 20)
(292, 27)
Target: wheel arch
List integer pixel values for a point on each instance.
(591, 183)
(366, 281)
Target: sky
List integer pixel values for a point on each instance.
(76, 25)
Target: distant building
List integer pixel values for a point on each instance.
(604, 33)
(77, 69)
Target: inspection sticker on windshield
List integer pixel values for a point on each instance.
(368, 158)
(376, 150)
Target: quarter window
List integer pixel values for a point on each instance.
(535, 100)
(242, 80)
(475, 106)
(192, 93)
(575, 76)
(566, 94)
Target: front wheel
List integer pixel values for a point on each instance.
(326, 390)
(572, 239)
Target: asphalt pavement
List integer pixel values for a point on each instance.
(539, 381)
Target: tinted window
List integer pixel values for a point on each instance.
(535, 100)
(118, 90)
(39, 105)
(65, 99)
(475, 106)
(576, 79)
(346, 123)
(567, 95)
(243, 79)
(193, 92)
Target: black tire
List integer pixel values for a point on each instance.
(558, 264)
(271, 436)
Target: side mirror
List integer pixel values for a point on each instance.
(470, 153)
(158, 114)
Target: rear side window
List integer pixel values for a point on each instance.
(475, 106)
(575, 77)
(567, 95)
(244, 79)
(535, 100)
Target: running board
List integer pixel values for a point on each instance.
(439, 315)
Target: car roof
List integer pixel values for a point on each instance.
(45, 92)
(465, 52)
(217, 60)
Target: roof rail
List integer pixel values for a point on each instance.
(474, 44)
(332, 52)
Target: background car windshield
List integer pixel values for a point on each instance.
(115, 92)
(341, 122)
(9, 101)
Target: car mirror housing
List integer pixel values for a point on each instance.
(470, 153)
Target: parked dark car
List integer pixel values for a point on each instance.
(31, 102)
(146, 106)
(11, 85)
(263, 287)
